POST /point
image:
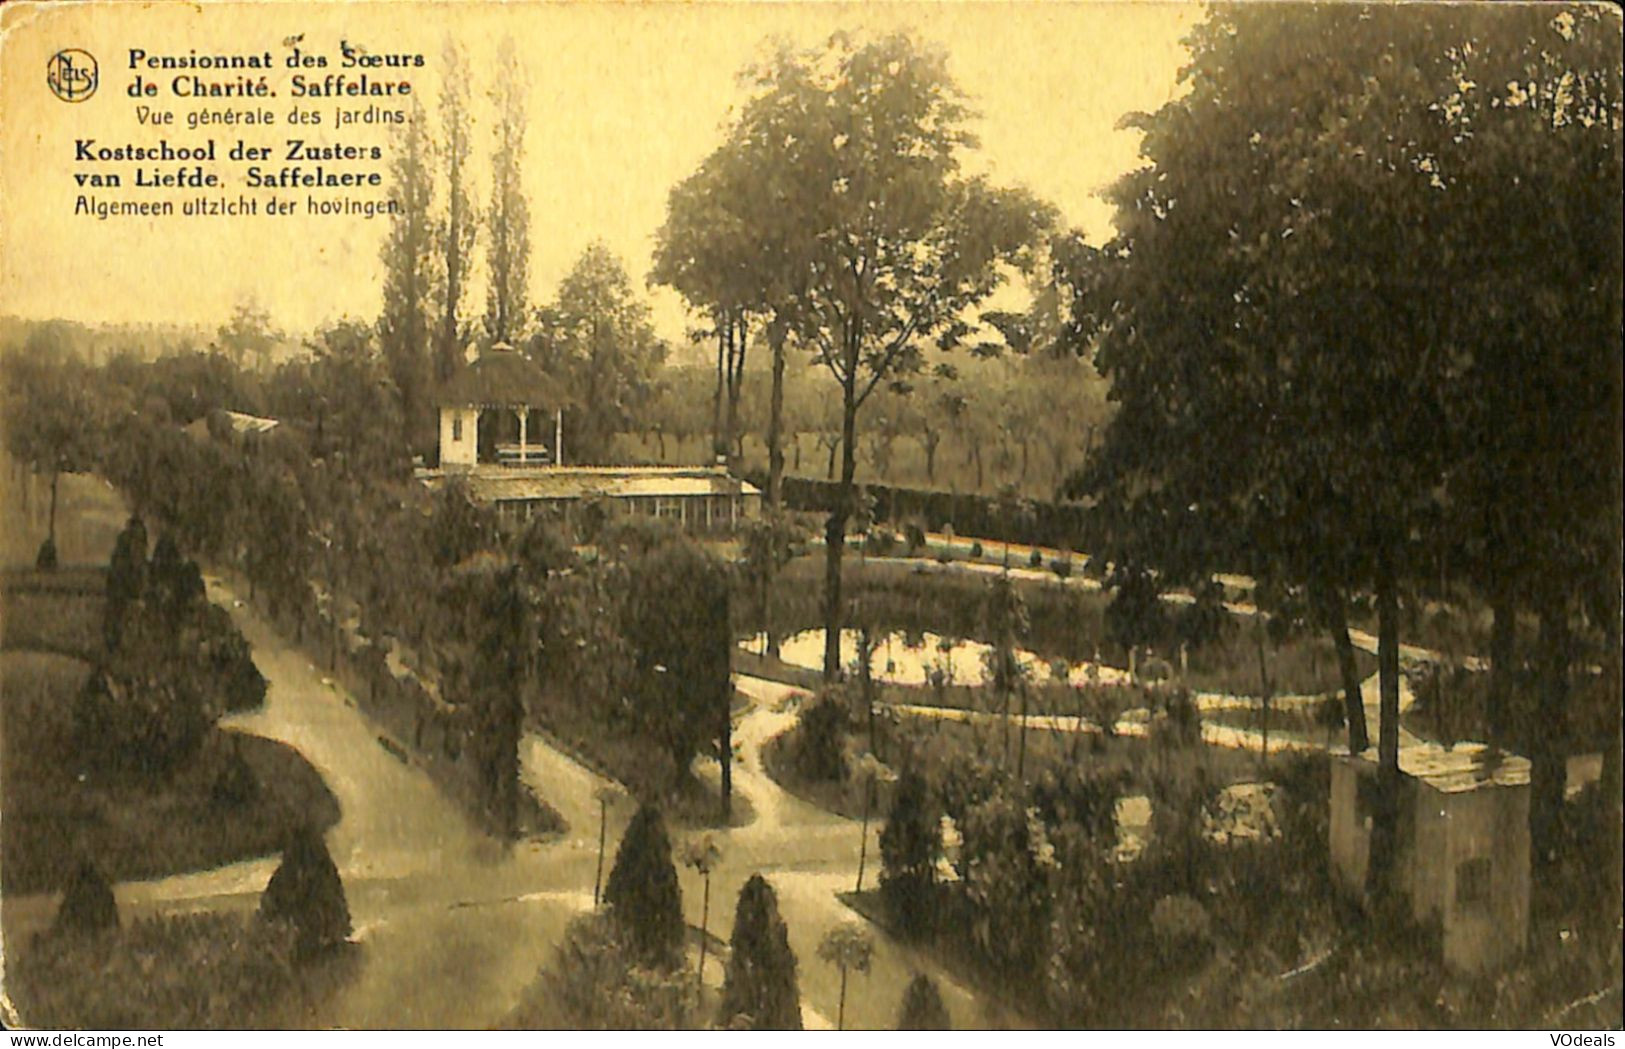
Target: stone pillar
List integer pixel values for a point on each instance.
(524, 420)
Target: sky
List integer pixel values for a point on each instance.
(623, 101)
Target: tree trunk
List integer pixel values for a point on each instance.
(1266, 690)
(598, 878)
(829, 474)
(775, 421)
(835, 534)
(1382, 873)
(1349, 670)
(726, 757)
(930, 443)
(863, 843)
(1548, 736)
(1503, 650)
(56, 477)
(1021, 747)
(717, 398)
(738, 340)
(705, 928)
(840, 1009)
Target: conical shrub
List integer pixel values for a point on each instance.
(87, 905)
(760, 991)
(922, 1009)
(306, 892)
(642, 891)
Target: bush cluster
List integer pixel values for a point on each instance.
(173, 663)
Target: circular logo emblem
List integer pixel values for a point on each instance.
(72, 75)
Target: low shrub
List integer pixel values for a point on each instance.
(910, 844)
(1182, 928)
(597, 982)
(922, 1008)
(1061, 566)
(760, 990)
(820, 736)
(88, 905)
(1035, 559)
(45, 560)
(976, 550)
(642, 893)
(306, 894)
(880, 541)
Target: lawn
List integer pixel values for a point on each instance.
(58, 611)
(57, 811)
(176, 972)
(685, 799)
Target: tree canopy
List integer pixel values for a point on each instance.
(1365, 296)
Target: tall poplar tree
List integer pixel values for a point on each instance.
(508, 223)
(408, 253)
(456, 229)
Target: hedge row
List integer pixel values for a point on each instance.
(1058, 525)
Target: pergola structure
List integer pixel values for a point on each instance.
(494, 416)
(496, 410)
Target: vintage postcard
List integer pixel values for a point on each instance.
(759, 516)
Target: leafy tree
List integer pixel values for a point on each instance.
(896, 246)
(760, 988)
(248, 337)
(346, 391)
(767, 543)
(909, 847)
(1380, 193)
(645, 901)
(849, 947)
(408, 254)
(1008, 863)
(460, 527)
(305, 892)
(597, 337)
(455, 232)
(50, 419)
(820, 733)
(675, 618)
(87, 904)
(498, 678)
(509, 219)
(1004, 614)
(923, 1009)
(942, 413)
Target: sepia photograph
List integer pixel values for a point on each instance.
(1096, 515)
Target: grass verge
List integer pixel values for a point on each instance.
(56, 810)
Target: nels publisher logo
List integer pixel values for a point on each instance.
(72, 74)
